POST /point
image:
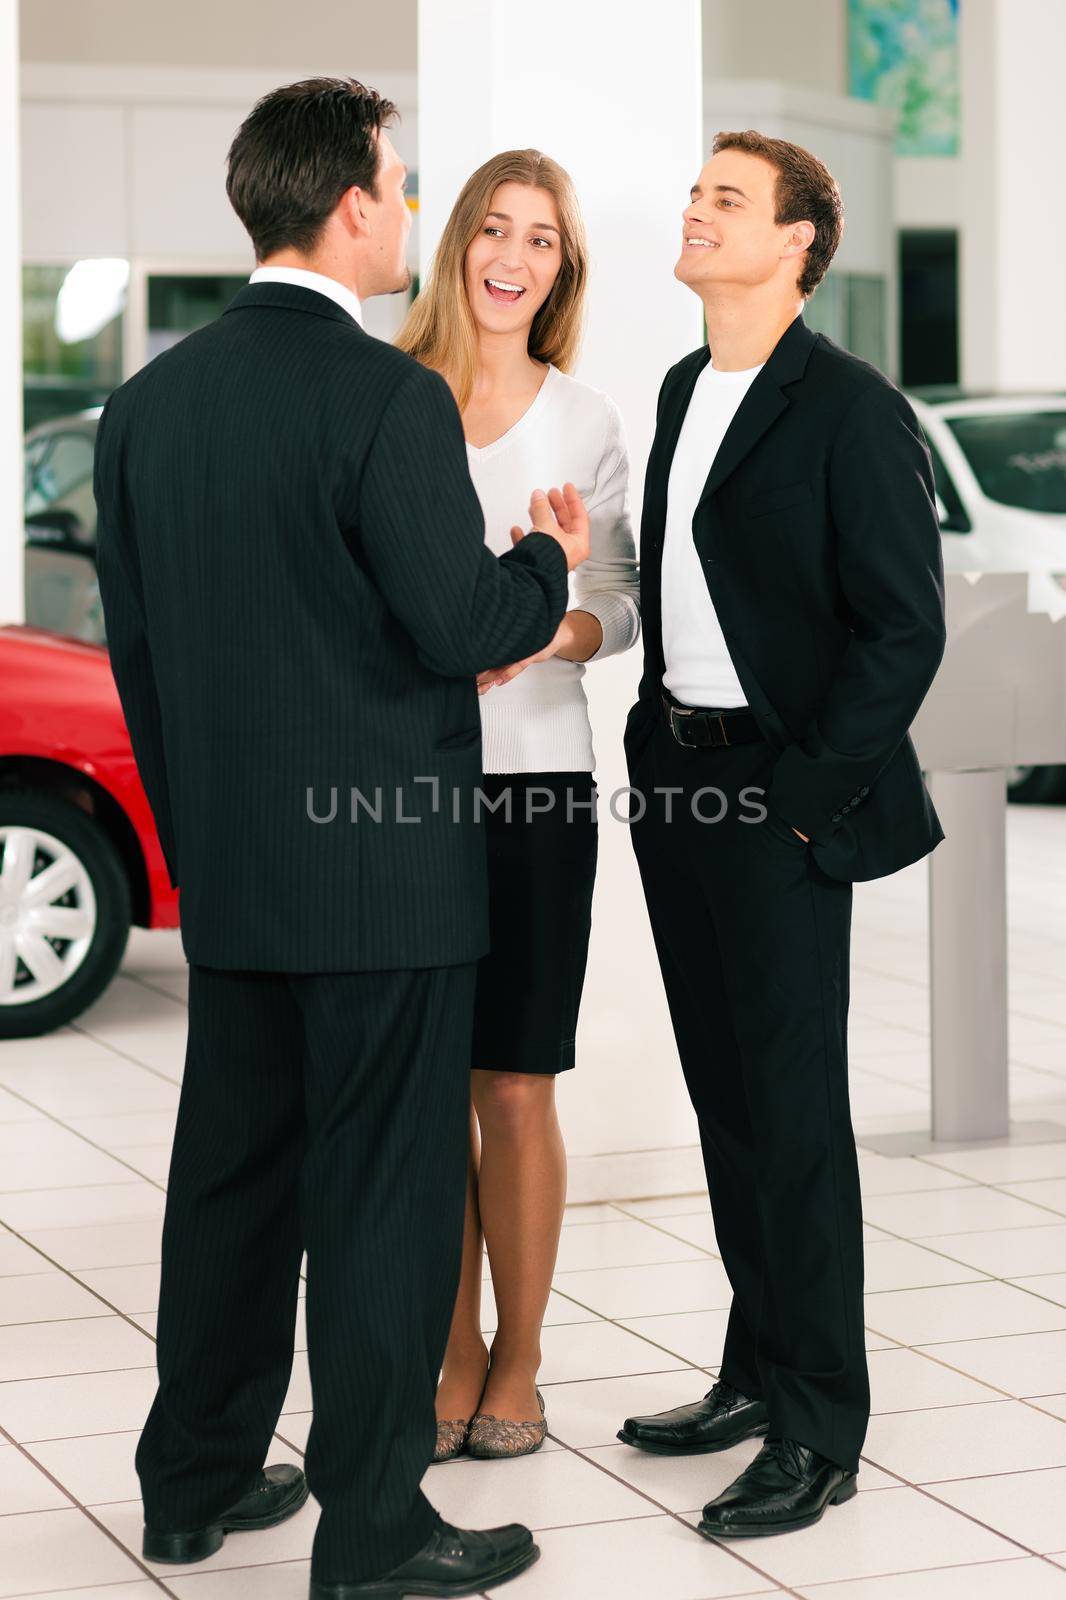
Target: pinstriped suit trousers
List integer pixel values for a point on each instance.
(327, 1113)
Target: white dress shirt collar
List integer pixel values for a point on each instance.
(312, 280)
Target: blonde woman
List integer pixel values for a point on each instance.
(501, 319)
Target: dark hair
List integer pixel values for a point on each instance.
(805, 191)
(299, 149)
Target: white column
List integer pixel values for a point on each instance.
(612, 90)
(11, 535)
(1013, 323)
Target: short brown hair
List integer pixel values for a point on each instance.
(805, 191)
(298, 150)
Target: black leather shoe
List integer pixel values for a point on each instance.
(453, 1561)
(723, 1417)
(277, 1494)
(787, 1486)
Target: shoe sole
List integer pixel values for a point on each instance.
(185, 1549)
(652, 1449)
(847, 1489)
(386, 1590)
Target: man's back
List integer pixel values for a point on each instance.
(256, 487)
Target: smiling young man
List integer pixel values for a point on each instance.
(792, 597)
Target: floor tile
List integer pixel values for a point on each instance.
(695, 1229)
(41, 1155)
(890, 1531)
(1027, 1506)
(131, 1201)
(626, 1243)
(559, 1308)
(598, 1350)
(68, 1088)
(121, 1129)
(53, 1349)
(929, 1446)
(1011, 1163)
(544, 1491)
(286, 1581)
(647, 1291)
(18, 1258)
(654, 1556)
(95, 1468)
(591, 1413)
(677, 1483)
(47, 1297)
(56, 1549)
(115, 1244)
(695, 1336)
(1049, 1285)
(956, 1311)
(14, 1109)
(904, 1380)
(61, 1408)
(884, 1175)
(963, 1210)
(129, 1289)
(1050, 1192)
(24, 1487)
(675, 1205)
(1025, 1364)
(1054, 1403)
(992, 1580)
(1006, 1252)
(898, 1264)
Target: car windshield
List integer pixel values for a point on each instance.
(1019, 458)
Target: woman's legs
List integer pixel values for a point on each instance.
(466, 1359)
(521, 1195)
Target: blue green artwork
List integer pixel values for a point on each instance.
(905, 54)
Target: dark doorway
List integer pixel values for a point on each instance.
(929, 307)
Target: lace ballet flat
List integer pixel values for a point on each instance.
(494, 1439)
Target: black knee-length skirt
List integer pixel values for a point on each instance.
(542, 870)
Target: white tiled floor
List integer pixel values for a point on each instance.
(964, 1473)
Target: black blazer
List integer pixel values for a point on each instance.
(820, 544)
(298, 596)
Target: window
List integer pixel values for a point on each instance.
(929, 307)
(1019, 459)
(179, 303)
(59, 488)
(849, 308)
(60, 375)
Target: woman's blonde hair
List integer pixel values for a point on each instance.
(440, 330)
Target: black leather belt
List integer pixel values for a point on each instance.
(710, 730)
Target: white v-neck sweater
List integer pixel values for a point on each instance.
(539, 722)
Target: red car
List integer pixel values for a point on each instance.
(80, 861)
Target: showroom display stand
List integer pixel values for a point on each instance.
(999, 701)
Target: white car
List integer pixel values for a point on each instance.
(1000, 467)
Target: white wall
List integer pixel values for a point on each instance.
(335, 36)
(798, 42)
(1004, 192)
(131, 161)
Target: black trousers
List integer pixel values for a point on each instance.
(326, 1113)
(753, 941)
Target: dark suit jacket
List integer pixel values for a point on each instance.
(298, 595)
(820, 546)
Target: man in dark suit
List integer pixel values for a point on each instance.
(298, 597)
(793, 622)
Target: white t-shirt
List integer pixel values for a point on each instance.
(699, 670)
(539, 722)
